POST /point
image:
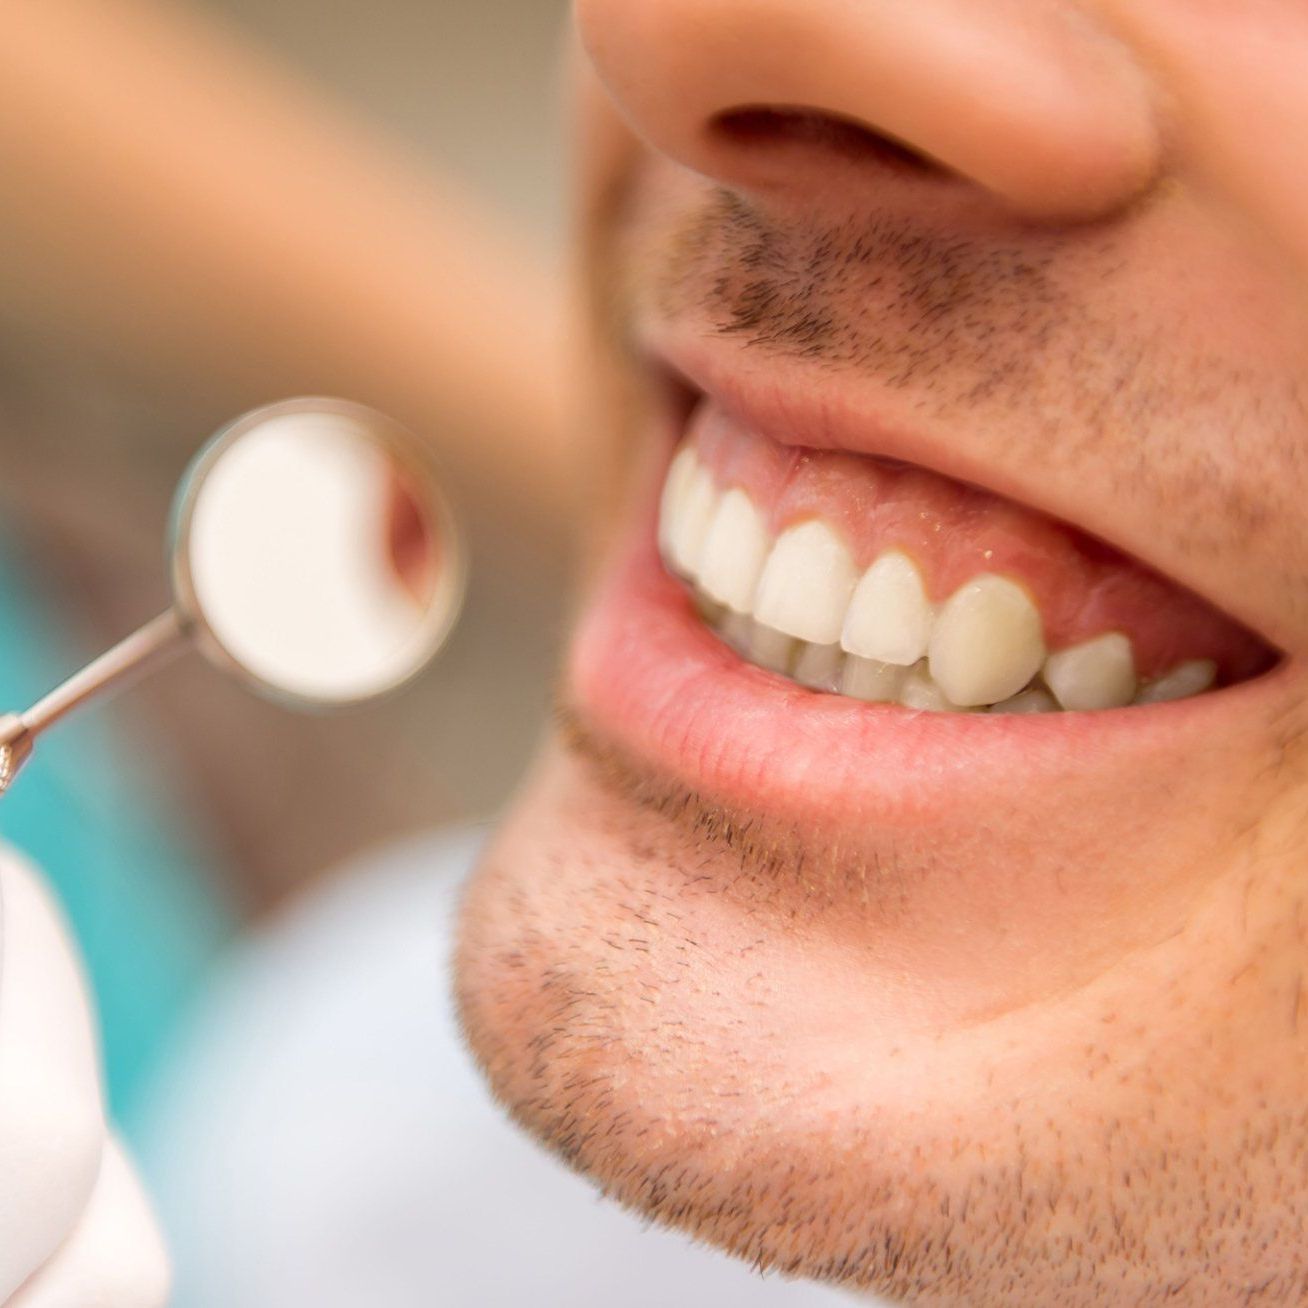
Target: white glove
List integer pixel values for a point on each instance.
(75, 1228)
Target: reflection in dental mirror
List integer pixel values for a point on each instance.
(313, 555)
(306, 556)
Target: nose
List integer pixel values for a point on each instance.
(1029, 100)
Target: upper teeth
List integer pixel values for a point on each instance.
(987, 641)
(689, 498)
(735, 548)
(1096, 674)
(889, 616)
(798, 604)
(806, 583)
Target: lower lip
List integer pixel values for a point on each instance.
(647, 675)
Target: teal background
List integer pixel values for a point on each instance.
(94, 813)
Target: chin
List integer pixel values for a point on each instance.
(716, 1052)
(916, 1049)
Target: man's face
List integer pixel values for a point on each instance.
(984, 321)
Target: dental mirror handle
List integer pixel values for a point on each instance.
(161, 639)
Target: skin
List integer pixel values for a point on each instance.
(973, 1044)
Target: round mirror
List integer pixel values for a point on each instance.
(314, 554)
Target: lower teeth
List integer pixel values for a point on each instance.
(827, 669)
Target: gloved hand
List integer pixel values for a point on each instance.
(75, 1227)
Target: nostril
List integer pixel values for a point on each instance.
(763, 125)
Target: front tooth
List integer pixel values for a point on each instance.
(889, 616)
(1189, 678)
(920, 691)
(818, 667)
(680, 471)
(1034, 700)
(806, 582)
(872, 680)
(770, 649)
(1097, 674)
(987, 641)
(690, 520)
(734, 549)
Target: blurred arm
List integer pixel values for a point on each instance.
(204, 220)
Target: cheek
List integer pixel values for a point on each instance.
(1234, 75)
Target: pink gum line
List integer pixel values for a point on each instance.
(954, 532)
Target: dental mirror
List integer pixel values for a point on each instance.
(313, 557)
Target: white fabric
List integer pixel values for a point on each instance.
(75, 1229)
(113, 1258)
(325, 1140)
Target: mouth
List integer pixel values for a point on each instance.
(888, 583)
(796, 627)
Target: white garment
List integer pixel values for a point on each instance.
(324, 1140)
(75, 1228)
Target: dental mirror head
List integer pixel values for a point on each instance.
(313, 556)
